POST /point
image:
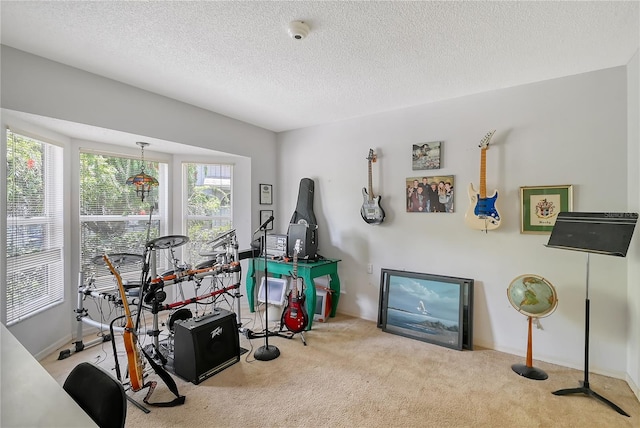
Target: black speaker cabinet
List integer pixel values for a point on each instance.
(206, 345)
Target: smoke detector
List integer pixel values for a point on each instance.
(298, 30)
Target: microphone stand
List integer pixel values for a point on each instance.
(266, 352)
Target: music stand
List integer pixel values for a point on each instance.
(599, 233)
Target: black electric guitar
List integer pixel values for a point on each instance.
(294, 315)
(371, 210)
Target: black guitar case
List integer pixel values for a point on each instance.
(303, 224)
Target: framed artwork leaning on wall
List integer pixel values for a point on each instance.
(431, 308)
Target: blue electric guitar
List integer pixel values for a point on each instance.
(483, 213)
(371, 210)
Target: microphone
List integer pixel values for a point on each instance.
(263, 225)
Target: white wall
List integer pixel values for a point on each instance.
(565, 131)
(633, 161)
(41, 87)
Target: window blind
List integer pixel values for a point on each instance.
(208, 208)
(35, 227)
(113, 219)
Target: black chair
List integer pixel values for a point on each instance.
(99, 394)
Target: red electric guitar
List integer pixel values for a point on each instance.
(294, 316)
(136, 363)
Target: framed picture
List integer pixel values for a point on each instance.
(266, 194)
(264, 216)
(432, 194)
(426, 155)
(432, 308)
(540, 205)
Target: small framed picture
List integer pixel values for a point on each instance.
(264, 216)
(540, 205)
(426, 155)
(266, 194)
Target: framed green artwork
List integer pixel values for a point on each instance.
(540, 205)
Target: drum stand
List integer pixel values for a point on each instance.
(149, 271)
(229, 242)
(81, 314)
(235, 278)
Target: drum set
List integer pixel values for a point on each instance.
(149, 294)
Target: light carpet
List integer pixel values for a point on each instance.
(352, 374)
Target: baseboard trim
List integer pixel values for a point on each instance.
(52, 348)
(633, 386)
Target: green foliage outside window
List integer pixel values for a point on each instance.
(208, 206)
(113, 218)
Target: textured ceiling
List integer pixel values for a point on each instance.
(236, 58)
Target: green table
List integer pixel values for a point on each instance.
(307, 271)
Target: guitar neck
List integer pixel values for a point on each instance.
(370, 183)
(483, 173)
(295, 272)
(115, 273)
(294, 287)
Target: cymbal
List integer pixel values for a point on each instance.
(119, 259)
(212, 253)
(168, 242)
(228, 234)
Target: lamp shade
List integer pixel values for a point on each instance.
(142, 181)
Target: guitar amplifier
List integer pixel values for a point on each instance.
(206, 345)
(276, 245)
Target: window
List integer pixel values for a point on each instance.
(112, 218)
(35, 227)
(208, 207)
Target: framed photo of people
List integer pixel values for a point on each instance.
(540, 205)
(430, 194)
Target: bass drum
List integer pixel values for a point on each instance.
(181, 314)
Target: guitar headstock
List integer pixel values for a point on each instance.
(484, 144)
(372, 156)
(297, 248)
